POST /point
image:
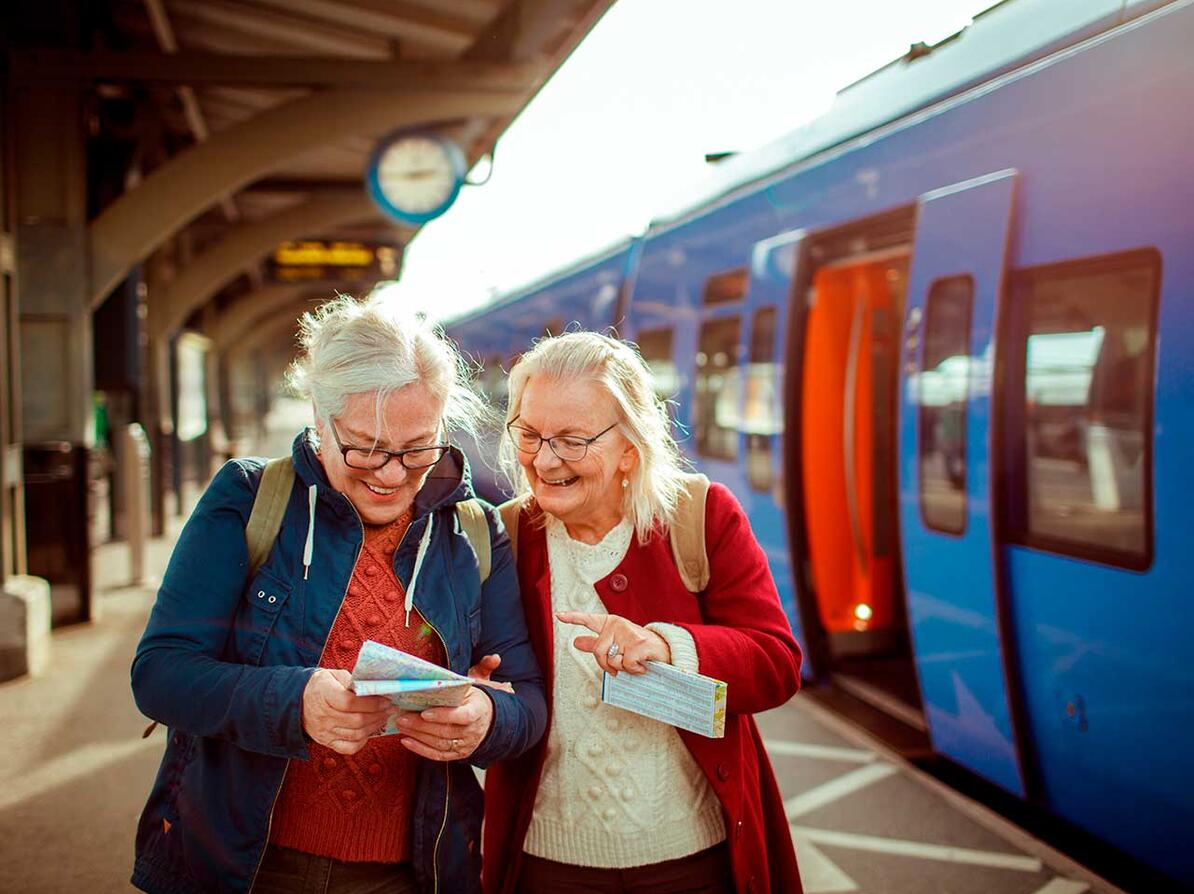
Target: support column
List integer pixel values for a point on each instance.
(217, 438)
(12, 495)
(157, 413)
(24, 600)
(50, 212)
(159, 429)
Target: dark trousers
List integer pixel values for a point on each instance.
(706, 872)
(286, 871)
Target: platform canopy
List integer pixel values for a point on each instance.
(251, 121)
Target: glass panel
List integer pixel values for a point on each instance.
(655, 346)
(724, 288)
(760, 414)
(942, 389)
(1088, 382)
(715, 410)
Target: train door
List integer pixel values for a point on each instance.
(773, 268)
(846, 400)
(947, 488)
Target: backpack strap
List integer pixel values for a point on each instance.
(687, 534)
(510, 511)
(476, 529)
(273, 493)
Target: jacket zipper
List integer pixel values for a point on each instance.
(447, 781)
(447, 774)
(270, 822)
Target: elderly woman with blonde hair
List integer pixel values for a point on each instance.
(611, 801)
(274, 778)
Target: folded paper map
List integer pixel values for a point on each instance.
(408, 681)
(689, 701)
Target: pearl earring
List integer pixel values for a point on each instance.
(625, 483)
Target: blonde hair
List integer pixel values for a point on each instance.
(656, 481)
(353, 346)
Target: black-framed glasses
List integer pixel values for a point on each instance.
(569, 448)
(370, 459)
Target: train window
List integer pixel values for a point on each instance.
(726, 287)
(655, 346)
(1087, 353)
(715, 408)
(760, 415)
(942, 391)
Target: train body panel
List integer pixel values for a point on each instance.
(997, 547)
(586, 296)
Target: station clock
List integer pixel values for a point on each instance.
(415, 175)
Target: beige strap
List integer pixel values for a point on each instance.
(687, 534)
(476, 529)
(273, 493)
(510, 511)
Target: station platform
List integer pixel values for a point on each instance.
(78, 772)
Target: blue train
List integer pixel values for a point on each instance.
(939, 343)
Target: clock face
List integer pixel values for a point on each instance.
(416, 176)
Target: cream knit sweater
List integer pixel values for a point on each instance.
(618, 790)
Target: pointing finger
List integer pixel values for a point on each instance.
(593, 621)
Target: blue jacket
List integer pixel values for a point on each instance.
(225, 671)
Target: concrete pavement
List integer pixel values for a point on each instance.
(76, 771)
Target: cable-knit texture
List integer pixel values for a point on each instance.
(359, 807)
(618, 790)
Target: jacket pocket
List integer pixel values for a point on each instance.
(155, 841)
(259, 610)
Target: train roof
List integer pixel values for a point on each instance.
(1005, 37)
(580, 265)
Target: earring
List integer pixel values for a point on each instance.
(625, 483)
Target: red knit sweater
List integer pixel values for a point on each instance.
(358, 807)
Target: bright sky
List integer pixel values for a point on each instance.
(622, 129)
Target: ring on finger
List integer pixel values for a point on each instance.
(449, 745)
(613, 650)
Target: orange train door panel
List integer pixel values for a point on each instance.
(844, 417)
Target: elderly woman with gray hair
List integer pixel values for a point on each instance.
(611, 801)
(274, 778)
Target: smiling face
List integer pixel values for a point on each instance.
(586, 494)
(410, 417)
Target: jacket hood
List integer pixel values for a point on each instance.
(449, 482)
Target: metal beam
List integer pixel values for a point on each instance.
(282, 323)
(322, 185)
(261, 306)
(143, 218)
(302, 34)
(393, 18)
(228, 70)
(242, 246)
(164, 32)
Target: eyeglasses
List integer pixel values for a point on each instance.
(371, 459)
(569, 448)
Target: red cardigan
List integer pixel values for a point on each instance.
(742, 637)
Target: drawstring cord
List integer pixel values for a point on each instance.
(414, 575)
(309, 546)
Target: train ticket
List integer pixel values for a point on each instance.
(690, 702)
